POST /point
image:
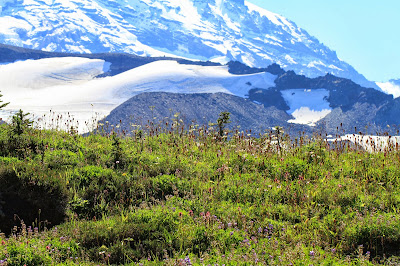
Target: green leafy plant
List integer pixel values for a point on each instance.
(179, 197)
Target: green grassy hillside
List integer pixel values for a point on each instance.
(194, 198)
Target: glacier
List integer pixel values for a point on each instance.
(65, 92)
(216, 30)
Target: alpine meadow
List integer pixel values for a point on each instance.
(194, 132)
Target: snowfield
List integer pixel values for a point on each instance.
(390, 88)
(307, 106)
(69, 87)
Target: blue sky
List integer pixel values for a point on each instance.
(364, 33)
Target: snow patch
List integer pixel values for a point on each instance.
(390, 88)
(307, 106)
(43, 73)
(316, 64)
(9, 27)
(368, 142)
(274, 18)
(290, 59)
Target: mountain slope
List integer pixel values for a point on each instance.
(192, 109)
(218, 30)
(77, 88)
(81, 90)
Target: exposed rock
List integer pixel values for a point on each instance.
(198, 109)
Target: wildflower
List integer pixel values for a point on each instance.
(312, 253)
(187, 261)
(270, 226)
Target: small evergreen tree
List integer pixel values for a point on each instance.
(20, 122)
(222, 121)
(2, 103)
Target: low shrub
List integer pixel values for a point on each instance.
(32, 195)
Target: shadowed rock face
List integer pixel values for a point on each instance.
(353, 107)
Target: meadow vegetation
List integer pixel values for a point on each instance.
(194, 196)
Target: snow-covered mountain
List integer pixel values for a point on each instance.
(217, 30)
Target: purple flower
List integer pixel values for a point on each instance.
(270, 226)
(260, 230)
(187, 261)
(312, 253)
